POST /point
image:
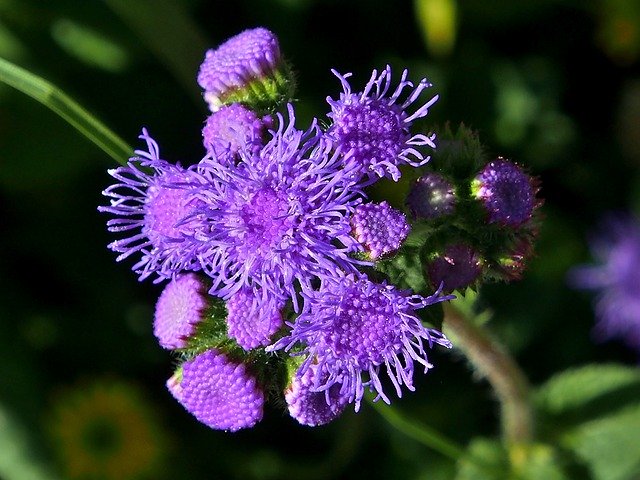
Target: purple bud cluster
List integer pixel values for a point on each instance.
(273, 253)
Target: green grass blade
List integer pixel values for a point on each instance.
(59, 102)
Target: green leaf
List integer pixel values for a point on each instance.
(610, 446)
(584, 386)
(488, 460)
(59, 102)
(405, 270)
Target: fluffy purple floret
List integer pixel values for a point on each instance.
(457, 268)
(506, 192)
(380, 228)
(178, 310)
(355, 328)
(309, 406)
(431, 196)
(375, 124)
(281, 219)
(151, 203)
(615, 278)
(229, 129)
(252, 319)
(218, 392)
(250, 55)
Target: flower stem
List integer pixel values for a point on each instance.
(420, 432)
(492, 360)
(59, 102)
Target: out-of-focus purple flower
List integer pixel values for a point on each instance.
(431, 196)
(507, 193)
(615, 278)
(281, 220)
(252, 319)
(375, 124)
(379, 228)
(218, 392)
(309, 406)
(456, 268)
(151, 202)
(355, 328)
(245, 65)
(229, 129)
(178, 310)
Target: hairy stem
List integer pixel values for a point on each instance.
(492, 361)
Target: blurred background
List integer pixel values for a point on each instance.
(551, 84)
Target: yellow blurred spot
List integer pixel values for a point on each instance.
(89, 46)
(437, 20)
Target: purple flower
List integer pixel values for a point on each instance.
(281, 219)
(309, 406)
(355, 328)
(379, 228)
(218, 392)
(252, 319)
(615, 278)
(456, 268)
(431, 196)
(375, 124)
(178, 310)
(245, 66)
(507, 193)
(151, 202)
(229, 129)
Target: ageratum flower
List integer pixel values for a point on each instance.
(309, 406)
(151, 202)
(506, 192)
(253, 318)
(379, 228)
(458, 267)
(179, 310)
(229, 129)
(355, 329)
(615, 278)
(247, 68)
(218, 392)
(376, 123)
(431, 196)
(281, 219)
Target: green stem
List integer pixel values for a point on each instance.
(419, 432)
(492, 360)
(59, 102)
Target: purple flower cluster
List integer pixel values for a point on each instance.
(274, 221)
(615, 278)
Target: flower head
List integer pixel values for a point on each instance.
(280, 219)
(615, 278)
(245, 68)
(152, 201)
(375, 124)
(431, 196)
(229, 129)
(506, 192)
(309, 406)
(251, 319)
(380, 228)
(355, 328)
(218, 392)
(178, 310)
(456, 268)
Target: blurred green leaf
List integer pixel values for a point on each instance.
(576, 388)
(89, 46)
(59, 102)
(610, 446)
(18, 461)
